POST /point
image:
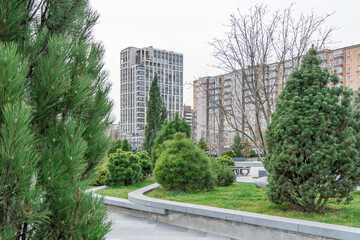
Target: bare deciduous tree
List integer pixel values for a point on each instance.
(260, 50)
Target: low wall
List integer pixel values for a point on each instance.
(230, 223)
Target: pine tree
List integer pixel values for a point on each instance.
(312, 156)
(125, 146)
(54, 116)
(155, 115)
(202, 145)
(167, 133)
(238, 146)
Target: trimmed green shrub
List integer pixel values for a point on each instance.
(145, 162)
(101, 173)
(183, 166)
(124, 169)
(203, 145)
(167, 133)
(229, 154)
(225, 161)
(225, 176)
(253, 153)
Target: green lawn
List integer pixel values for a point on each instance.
(122, 192)
(247, 197)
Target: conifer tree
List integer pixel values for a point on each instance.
(54, 116)
(155, 115)
(167, 133)
(312, 156)
(238, 146)
(125, 146)
(202, 145)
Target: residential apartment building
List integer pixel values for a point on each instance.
(212, 96)
(345, 62)
(137, 69)
(187, 114)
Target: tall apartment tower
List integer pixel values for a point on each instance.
(137, 69)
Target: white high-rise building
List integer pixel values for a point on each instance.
(137, 69)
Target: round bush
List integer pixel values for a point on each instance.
(225, 176)
(225, 161)
(124, 169)
(183, 166)
(101, 173)
(145, 162)
(167, 133)
(229, 154)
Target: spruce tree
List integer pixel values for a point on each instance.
(54, 116)
(312, 156)
(238, 146)
(155, 115)
(202, 145)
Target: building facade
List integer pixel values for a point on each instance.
(187, 114)
(212, 95)
(137, 69)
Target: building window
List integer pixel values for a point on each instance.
(350, 78)
(358, 85)
(349, 86)
(350, 61)
(349, 69)
(358, 76)
(359, 51)
(349, 52)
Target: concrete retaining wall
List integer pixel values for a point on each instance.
(231, 223)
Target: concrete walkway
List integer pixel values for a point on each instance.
(132, 228)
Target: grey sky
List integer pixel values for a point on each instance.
(187, 26)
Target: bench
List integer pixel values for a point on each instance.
(240, 170)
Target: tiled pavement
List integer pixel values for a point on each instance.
(132, 228)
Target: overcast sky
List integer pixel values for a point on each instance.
(187, 26)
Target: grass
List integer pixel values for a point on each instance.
(255, 177)
(247, 197)
(122, 192)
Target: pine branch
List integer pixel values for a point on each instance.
(76, 209)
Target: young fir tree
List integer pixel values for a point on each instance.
(155, 115)
(54, 116)
(202, 145)
(125, 146)
(246, 152)
(238, 146)
(167, 133)
(312, 155)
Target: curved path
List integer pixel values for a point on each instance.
(132, 228)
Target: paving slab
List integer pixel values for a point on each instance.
(126, 227)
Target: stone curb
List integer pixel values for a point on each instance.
(120, 202)
(281, 223)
